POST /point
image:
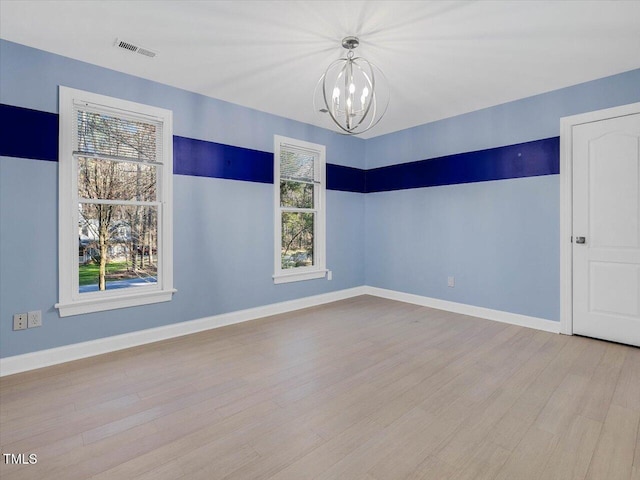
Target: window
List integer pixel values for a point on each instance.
(299, 210)
(115, 201)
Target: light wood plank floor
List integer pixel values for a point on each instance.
(364, 388)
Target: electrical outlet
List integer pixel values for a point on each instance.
(329, 275)
(34, 319)
(20, 321)
(451, 281)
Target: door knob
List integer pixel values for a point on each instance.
(581, 240)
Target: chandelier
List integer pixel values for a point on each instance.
(352, 91)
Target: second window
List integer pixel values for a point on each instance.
(300, 210)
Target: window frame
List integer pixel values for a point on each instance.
(71, 301)
(318, 270)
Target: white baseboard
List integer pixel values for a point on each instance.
(67, 353)
(462, 308)
(76, 351)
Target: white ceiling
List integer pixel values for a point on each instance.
(441, 58)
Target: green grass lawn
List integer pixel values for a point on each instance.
(89, 272)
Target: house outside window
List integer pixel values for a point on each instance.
(299, 180)
(115, 201)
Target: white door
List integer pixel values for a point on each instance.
(606, 229)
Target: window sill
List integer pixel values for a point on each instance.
(80, 307)
(299, 276)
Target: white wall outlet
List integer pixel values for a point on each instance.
(20, 321)
(34, 319)
(329, 275)
(451, 281)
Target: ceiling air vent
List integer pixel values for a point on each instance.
(134, 48)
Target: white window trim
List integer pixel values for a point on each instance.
(318, 270)
(71, 301)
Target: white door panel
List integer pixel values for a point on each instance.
(613, 191)
(613, 288)
(606, 211)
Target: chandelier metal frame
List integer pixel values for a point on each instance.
(339, 84)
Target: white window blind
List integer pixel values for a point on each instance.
(100, 135)
(298, 164)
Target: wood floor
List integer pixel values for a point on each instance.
(364, 388)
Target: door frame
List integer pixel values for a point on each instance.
(566, 202)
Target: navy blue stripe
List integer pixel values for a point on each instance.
(28, 133)
(19, 126)
(347, 179)
(209, 159)
(530, 159)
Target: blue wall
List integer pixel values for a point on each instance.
(498, 238)
(524, 120)
(223, 229)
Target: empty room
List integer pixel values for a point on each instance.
(295, 240)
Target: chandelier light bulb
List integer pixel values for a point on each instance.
(344, 82)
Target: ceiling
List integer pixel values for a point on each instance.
(441, 58)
